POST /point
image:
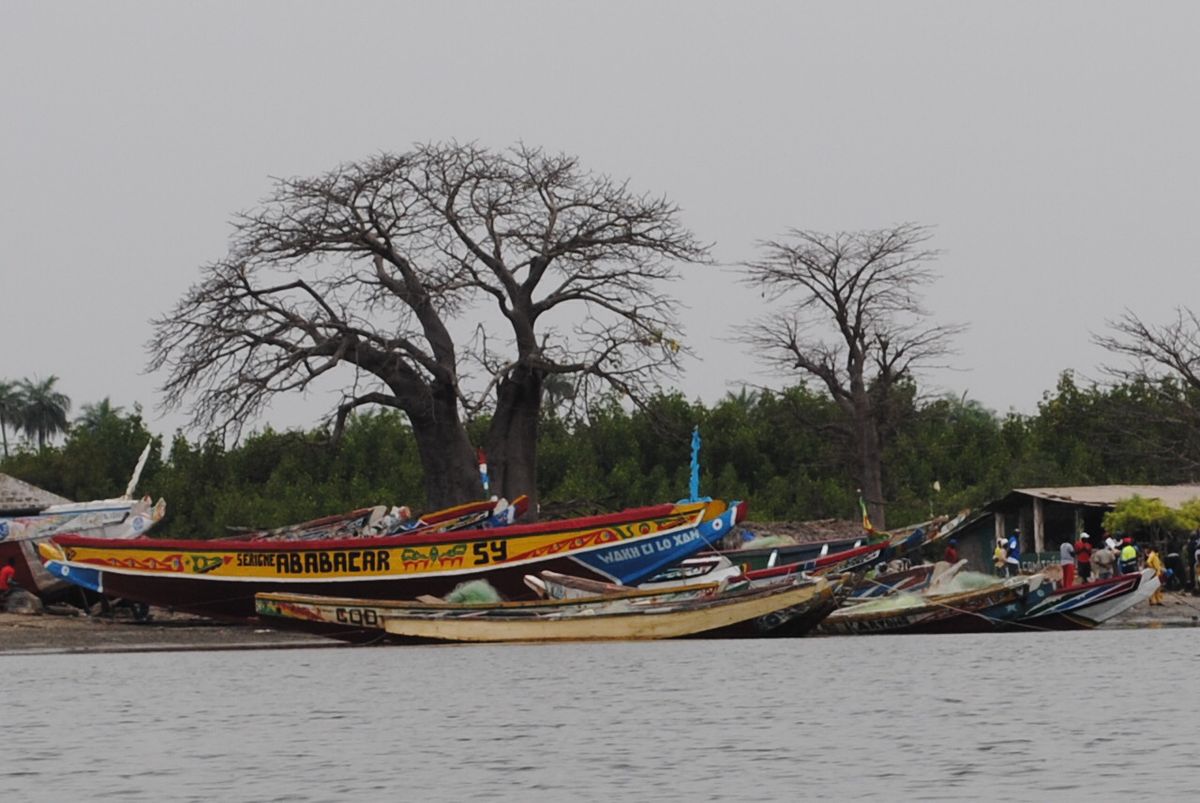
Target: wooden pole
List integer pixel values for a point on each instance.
(1039, 525)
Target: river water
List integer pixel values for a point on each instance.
(1107, 715)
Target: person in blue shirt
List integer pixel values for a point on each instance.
(1013, 561)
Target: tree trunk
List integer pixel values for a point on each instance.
(513, 436)
(447, 459)
(870, 466)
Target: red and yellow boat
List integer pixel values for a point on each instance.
(220, 577)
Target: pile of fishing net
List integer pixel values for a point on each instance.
(967, 581)
(473, 591)
(767, 541)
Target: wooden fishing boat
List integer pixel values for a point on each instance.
(121, 518)
(925, 577)
(361, 620)
(707, 571)
(723, 616)
(1091, 604)
(637, 615)
(981, 610)
(788, 622)
(220, 578)
(854, 553)
(756, 557)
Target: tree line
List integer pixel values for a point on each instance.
(771, 448)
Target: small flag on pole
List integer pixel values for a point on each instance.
(866, 523)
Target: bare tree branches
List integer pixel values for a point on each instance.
(1163, 369)
(1172, 349)
(854, 305)
(852, 320)
(368, 265)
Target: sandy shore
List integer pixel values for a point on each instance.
(1178, 610)
(65, 633)
(59, 633)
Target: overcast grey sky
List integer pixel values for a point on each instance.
(1055, 147)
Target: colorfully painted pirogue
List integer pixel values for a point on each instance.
(220, 577)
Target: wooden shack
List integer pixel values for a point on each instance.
(1044, 518)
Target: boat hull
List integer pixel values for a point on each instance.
(1087, 606)
(794, 608)
(220, 579)
(716, 618)
(981, 611)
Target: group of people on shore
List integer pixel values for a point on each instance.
(1082, 561)
(1086, 561)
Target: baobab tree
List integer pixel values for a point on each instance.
(852, 320)
(372, 269)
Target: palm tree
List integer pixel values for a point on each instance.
(12, 403)
(93, 416)
(45, 411)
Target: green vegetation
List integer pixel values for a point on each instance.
(1151, 519)
(781, 451)
(33, 407)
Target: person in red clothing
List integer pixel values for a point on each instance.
(951, 553)
(6, 578)
(1083, 557)
(1066, 551)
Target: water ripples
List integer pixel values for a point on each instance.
(936, 718)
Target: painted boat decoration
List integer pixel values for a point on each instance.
(220, 578)
(980, 610)
(120, 518)
(603, 619)
(1091, 604)
(923, 578)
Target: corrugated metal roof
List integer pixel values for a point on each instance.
(1109, 495)
(18, 496)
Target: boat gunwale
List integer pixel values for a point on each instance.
(359, 602)
(694, 511)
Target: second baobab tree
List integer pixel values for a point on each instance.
(449, 282)
(850, 318)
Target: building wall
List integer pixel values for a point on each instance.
(978, 539)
